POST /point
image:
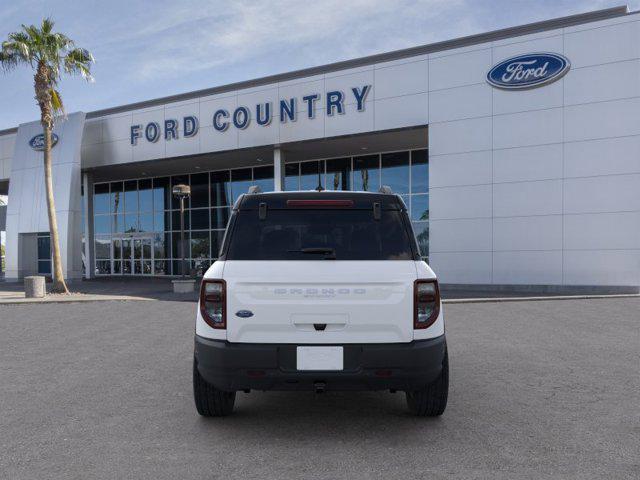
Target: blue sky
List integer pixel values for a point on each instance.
(149, 49)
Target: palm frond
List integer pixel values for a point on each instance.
(56, 101)
(78, 61)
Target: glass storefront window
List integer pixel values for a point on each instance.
(240, 182)
(145, 222)
(339, 174)
(421, 229)
(199, 219)
(131, 204)
(219, 217)
(311, 175)
(366, 173)
(200, 245)
(420, 207)
(102, 247)
(102, 224)
(161, 194)
(101, 198)
(145, 195)
(175, 220)
(291, 176)
(263, 177)
(143, 213)
(419, 171)
(200, 190)
(395, 171)
(117, 191)
(220, 189)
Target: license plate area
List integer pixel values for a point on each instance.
(320, 358)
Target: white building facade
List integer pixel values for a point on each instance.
(516, 151)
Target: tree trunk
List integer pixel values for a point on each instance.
(42, 85)
(59, 285)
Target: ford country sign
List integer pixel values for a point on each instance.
(528, 71)
(37, 142)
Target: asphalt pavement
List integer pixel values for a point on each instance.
(544, 389)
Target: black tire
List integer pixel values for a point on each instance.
(211, 402)
(432, 401)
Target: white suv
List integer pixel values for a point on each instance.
(320, 291)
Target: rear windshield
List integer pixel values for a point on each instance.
(319, 234)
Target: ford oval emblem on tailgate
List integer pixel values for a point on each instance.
(244, 313)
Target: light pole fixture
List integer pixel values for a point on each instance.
(181, 192)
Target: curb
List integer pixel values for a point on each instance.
(30, 301)
(537, 299)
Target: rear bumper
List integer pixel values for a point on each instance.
(250, 366)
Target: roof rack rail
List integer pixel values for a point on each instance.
(254, 189)
(386, 190)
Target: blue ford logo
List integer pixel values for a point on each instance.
(244, 313)
(528, 71)
(37, 142)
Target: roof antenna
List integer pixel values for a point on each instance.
(319, 187)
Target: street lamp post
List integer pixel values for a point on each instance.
(181, 192)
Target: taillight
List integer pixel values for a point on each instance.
(426, 303)
(213, 295)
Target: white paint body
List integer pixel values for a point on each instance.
(359, 301)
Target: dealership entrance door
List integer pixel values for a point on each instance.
(132, 254)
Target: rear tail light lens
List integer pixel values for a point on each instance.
(426, 303)
(213, 294)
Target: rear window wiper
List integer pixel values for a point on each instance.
(330, 253)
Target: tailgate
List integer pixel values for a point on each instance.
(319, 302)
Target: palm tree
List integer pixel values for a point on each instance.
(48, 54)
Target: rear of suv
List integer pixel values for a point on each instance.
(320, 291)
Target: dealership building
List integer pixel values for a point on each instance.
(517, 153)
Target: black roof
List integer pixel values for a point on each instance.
(361, 200)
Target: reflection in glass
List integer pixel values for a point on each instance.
(145, 222)
(220, 188)
(145, 195)
(130, 196)
(291, 177)
(421, 229)
(103, 267)
(395, 171)
(216, 242)
(161, 194)
(160, 267)
(103, 247)
(126, 267)
(117, 268)
(116, 197)
(200, 190)
(420, 207)
(420, 171)
(160, 240)
(101, 198)
(130, 222)
(339, 174)
(311, 175)
(160, 220)
(101, 224)
(175, 221)
(366, 173)
(117, 223)
(219, 217)
(200, 219)
(117, 248)
(146, 248)
(263, 177)
(200, 245)
(240, 182)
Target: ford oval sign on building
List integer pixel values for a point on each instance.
(528, 71)
(37, 142)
